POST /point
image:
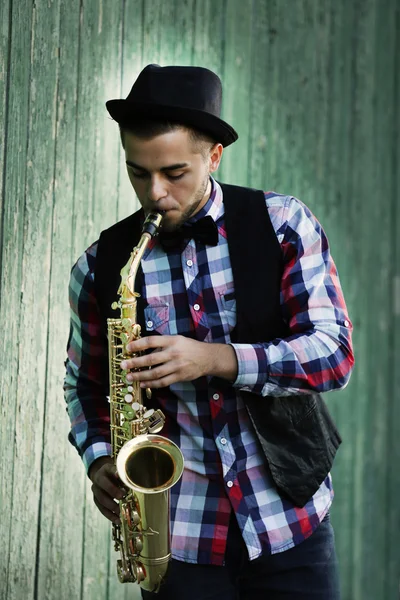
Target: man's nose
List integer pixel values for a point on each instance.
(157, 189)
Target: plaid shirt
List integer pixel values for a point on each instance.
(191, 292)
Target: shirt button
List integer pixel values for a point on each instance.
(215, 396)
(346, 323)
(196, 307)
(229, 484)
(189, 263)
(149, 324)
(223, 441)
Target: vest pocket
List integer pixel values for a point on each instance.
(156, 318)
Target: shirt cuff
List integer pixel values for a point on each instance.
(94, 452)
(252, 367)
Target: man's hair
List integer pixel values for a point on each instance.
(148, 128)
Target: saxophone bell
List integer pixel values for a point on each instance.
(149, 464)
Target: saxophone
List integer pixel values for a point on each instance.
(148, 464)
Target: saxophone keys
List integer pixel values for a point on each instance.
(137, 543)
(156, 420)
(126, 428)
(124, 574)
(135, 517)
(138, 572)
(123, 377)
(128, 412)
(125, 338)
(126, 323)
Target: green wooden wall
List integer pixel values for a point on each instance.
(313, 88)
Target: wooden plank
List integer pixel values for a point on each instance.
(33, 308)
(61, 520)
(260, 95)
(236, 84)
(207, 43)
(14, 114)
(182, 32)
(207, 46)
(383, 213)
(367, 475)
(132, 20)
(95, 207)
(106, 184)
(270, 105)
(392, 519)
(151, 33)
(127, 203)
(5, 39)
(339, 225)
(110, 169)
(109, 192)
(286, 93)
(166, 32)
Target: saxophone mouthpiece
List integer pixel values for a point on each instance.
(152, 223)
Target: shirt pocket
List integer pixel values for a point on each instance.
(156, 318)
(228, 303)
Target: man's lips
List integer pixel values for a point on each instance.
(164, 211)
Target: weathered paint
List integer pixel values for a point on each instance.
(313, 89)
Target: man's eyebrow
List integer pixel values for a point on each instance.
(168, 168)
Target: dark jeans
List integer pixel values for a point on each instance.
(308, 571)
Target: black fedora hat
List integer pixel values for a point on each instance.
(191, 96)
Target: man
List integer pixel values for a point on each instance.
(242, 329)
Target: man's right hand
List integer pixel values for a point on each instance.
(106, 486)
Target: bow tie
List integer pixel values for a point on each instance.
(204, 230)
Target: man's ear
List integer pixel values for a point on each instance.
(215, 156)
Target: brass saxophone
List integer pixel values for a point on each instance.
(148, 464)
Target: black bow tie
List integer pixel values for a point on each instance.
(204, 230)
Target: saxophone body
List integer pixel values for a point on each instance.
(147, 463)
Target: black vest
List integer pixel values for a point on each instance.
(297, 434)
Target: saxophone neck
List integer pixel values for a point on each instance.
(126, 289)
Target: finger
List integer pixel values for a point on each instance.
(108, 513)
(163, 382)
(110, 485)
(108, 470)
(104, 499)
(154, 374)
(149, 342)
(157, 357)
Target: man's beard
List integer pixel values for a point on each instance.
(198, 197)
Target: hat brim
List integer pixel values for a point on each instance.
(124, 111)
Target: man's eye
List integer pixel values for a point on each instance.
(139, 175)
(175, 177)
